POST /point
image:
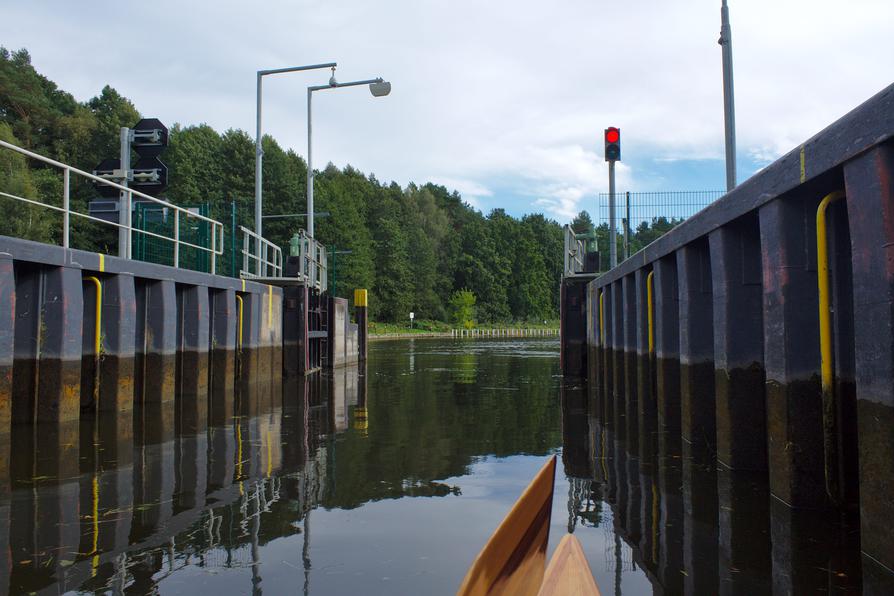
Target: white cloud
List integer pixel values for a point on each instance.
(465, 187)
(510, 91)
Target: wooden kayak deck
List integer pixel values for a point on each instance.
(513, 560)
(568, 573)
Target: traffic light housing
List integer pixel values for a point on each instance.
(612, 144)
(150, 138)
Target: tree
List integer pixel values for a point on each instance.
(194, 165)
(392, 287)
(462, 308)
(111, 111)
(414, 247)
(21, 219)
(582, 222)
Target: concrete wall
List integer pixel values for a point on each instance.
(344, 337)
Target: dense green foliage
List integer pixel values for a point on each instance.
(428, 427)
(462, 309)
(644, 234)
(411, 247)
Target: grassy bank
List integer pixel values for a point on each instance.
(427, 327)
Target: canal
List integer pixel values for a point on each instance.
(389, 481)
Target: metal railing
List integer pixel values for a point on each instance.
(254, 265)
(637, 208)
(642, 217)
(312, 262)
(128, 194)
(575, 253)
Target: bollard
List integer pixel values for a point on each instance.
(360, 306)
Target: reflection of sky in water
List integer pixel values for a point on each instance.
(400, 504)
(424, 545)
(415, 546)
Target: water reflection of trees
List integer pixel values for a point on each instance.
(135, 508)
(425, 428)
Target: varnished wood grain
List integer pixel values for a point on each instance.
(513, 560)
(568, 573)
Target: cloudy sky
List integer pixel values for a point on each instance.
(502, 100)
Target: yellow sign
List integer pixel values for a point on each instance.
(360, 298)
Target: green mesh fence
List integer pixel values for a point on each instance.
(155, 219)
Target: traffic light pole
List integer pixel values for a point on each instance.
(612, 238)
(729, 108)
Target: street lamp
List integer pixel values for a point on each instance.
(729, 107)
(259, 152)
(378, 87)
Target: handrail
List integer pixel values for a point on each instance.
(827, 372)
(313, 266)
(217, 228)
(264, 264)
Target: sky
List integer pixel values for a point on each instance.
(504, 101)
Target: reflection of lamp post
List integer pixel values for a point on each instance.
(259, 152)
(378, 87)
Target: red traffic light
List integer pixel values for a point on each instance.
(612, 144)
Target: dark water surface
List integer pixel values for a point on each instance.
(389, 481)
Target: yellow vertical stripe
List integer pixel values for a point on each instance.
(102, 263)
(97, 333)
(822, 270)
(240, 307)
(269, 307)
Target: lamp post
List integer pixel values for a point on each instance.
(259, 152)
(729, 106)
(378, 87)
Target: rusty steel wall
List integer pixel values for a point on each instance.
(168, 356)
(732, 374)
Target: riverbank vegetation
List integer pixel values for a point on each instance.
(425, 326)
(413, 247)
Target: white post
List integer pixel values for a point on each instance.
(213, 250)
(129, 212)
(259, 173)
(65, 203)
(176, 238)
(124, 210)
(310, 169)
(245, 253)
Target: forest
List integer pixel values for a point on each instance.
(418, 248)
